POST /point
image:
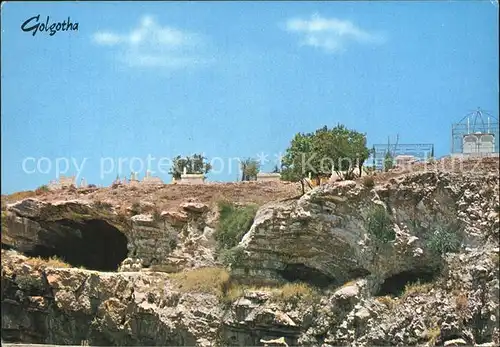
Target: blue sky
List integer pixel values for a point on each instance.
(234, 79)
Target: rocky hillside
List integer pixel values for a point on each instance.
(411, 259)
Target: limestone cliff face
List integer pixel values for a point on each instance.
(93, 235)
(324, 238)
(67, 306)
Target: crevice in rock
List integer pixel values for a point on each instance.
(304, 273)
(93, 244)
(395, 285)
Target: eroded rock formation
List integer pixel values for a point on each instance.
(323, 238)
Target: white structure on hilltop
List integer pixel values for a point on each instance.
(148, 179)
(63, 183)
(268, 177)
(476, 135)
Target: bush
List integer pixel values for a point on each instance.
(368, 181)
(135, 208)
(445, 239)
(30, 282)
(42, 189)
(233, 256)
(379, 224)
(234, 222)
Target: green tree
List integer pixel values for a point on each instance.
(294, 161)
(326, 150)
(388, 161)
(196, 163)
(249, 169)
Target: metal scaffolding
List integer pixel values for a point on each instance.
(420, 151)
(479, 131)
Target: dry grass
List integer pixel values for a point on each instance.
(433, 335)
(218, 281)
(171, 196)
(387, 300)
(416, 288)
(210, 280)
(17, 196)
(294, 292)
(461, 304)
(368, 181)
(43, 262)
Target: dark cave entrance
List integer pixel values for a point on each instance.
(396, 284)
(93, 244)
(303, 273)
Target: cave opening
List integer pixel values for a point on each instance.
(93, 244)
(395, 285)
(304, 273)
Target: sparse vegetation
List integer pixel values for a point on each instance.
(234, 222)
(294, 292)
(387, 300)
(210, 280)
(156, 215)
(4, 221)
(461, 303)
(433, 334)
(445, 239)
(53, 261)
(30, 282)
(102, 205)
(388, 161)
(368, 181)
(232, 256)
(379, 224)
(135, 209)
(42, 189)
(416, 288)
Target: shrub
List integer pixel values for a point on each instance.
(102, 205)
(233, 256)
(379, 224)
(42, 189)
(156, 215)
(30, 282)
(388, 162)
(135, 208)
(445, 239)
(368, 181)
(234, 222)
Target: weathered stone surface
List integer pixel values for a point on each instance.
(324, 233)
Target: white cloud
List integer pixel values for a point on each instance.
(151, 45)
(330, 34)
